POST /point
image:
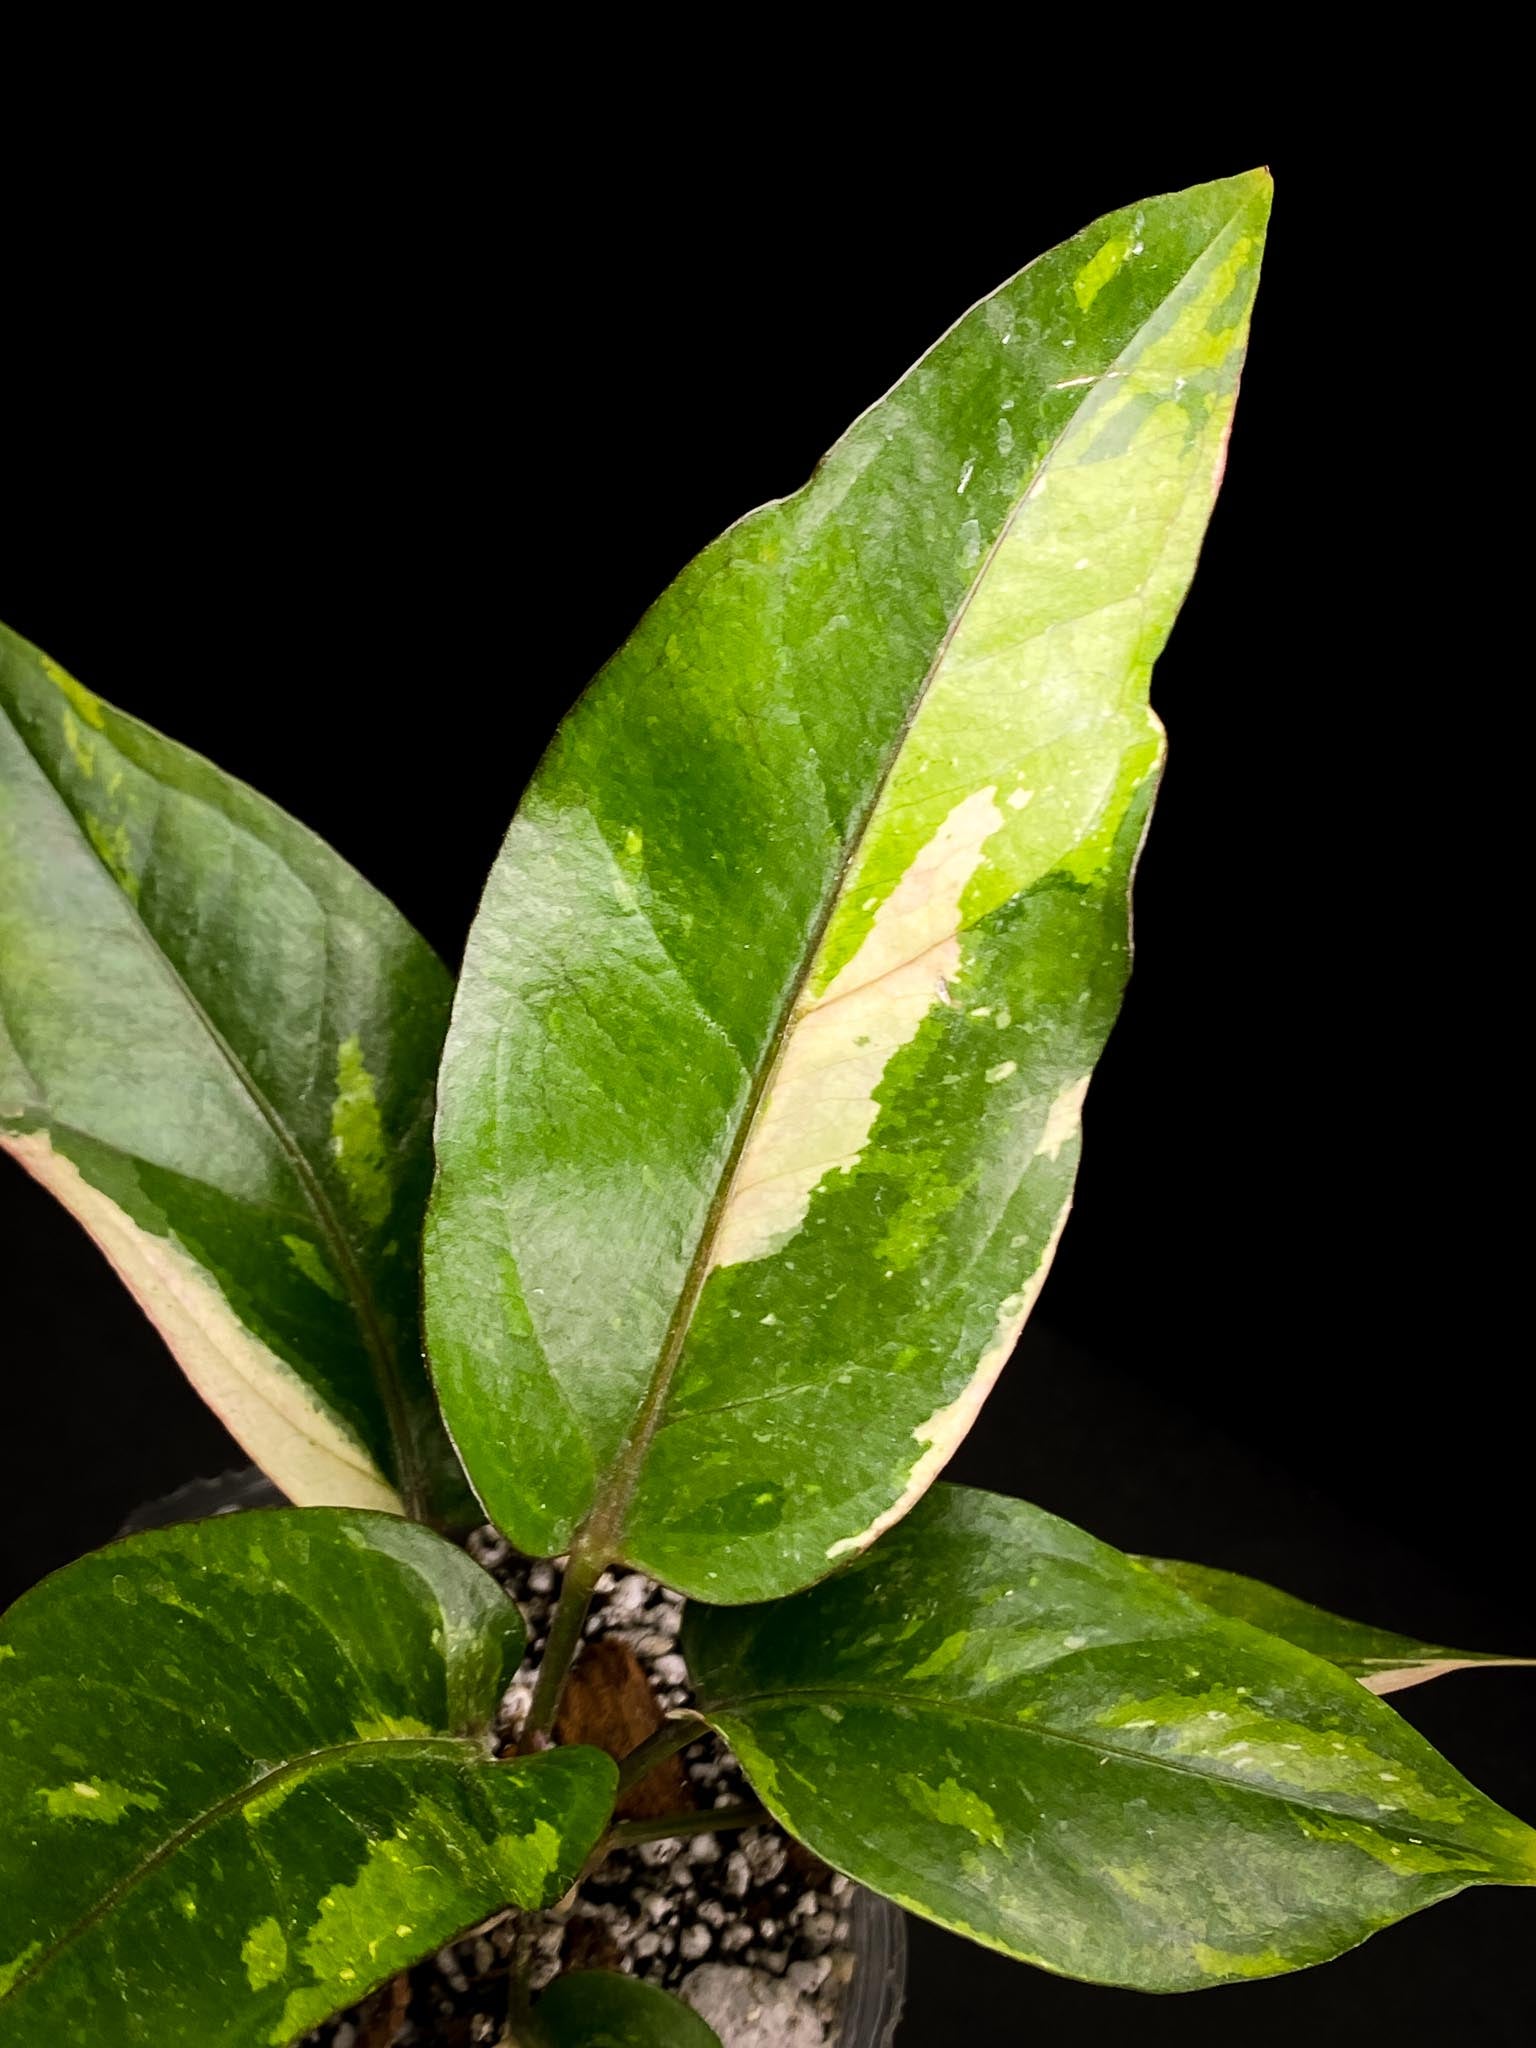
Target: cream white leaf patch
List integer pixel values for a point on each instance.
(822, 1101)
(262, 1402)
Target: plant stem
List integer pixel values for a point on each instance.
(522, 2028)
(675, 1733)
(582, 1573)
(626, 1833)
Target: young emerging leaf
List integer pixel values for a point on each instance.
(217, 1046)
(760, 1104)
(1018, 1732)
(1382, 1662)
(601, 2009)
(245, 1776)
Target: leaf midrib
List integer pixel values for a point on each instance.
(381, 1354)
(1023, 1730)
(232, 1802)
(601, 1532)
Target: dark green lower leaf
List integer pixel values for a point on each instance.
(1016, 1731)
(1382, 1662)
(601, 2009)
(245, 1775)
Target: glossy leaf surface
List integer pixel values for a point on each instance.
(1383, 1662)
(760, 1106)
(1016, 1731)
(602, 2009)
(245, 1774)
(217, 1049)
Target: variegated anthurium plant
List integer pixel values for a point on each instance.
(757, 1122)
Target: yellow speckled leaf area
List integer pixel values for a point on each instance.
(280, 1786)
(1016, 1731)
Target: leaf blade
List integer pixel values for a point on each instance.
(603, 2009)
(246, 1775)
(1382, 1660)
(1012, 1729)
(849, 820)
(217, 1052)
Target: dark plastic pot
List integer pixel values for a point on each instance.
(878, 1930)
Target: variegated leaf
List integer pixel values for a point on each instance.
(760, 1104)
(1382, 1662)
(217, 1046)
(1016, 1731)
(246, 1774)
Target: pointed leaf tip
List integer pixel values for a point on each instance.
(1382, 1660)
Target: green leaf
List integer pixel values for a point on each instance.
(217, 1048)
(759, 1108)
(245, 1774)
(1016, 1731)
(601, 2009)
(1382, 1662)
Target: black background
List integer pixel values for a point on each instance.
(350, 467)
